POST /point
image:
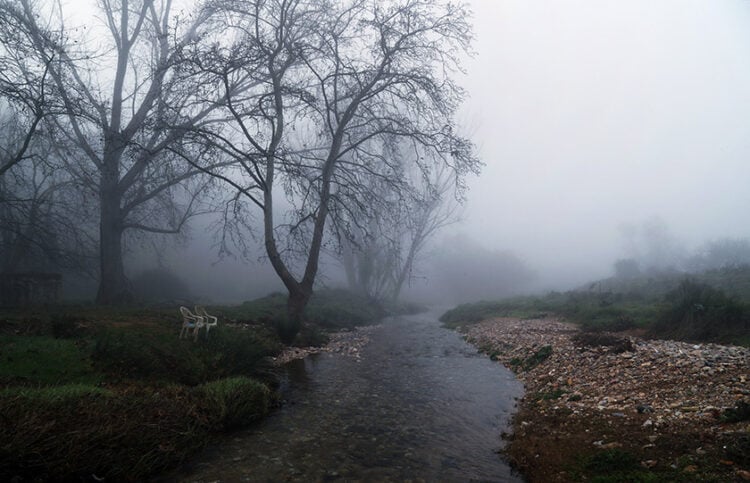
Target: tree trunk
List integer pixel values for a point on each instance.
(289, 327)
(113, 285)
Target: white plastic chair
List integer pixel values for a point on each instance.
(190, 321)
(208, 320)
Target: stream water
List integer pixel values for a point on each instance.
(420, 404)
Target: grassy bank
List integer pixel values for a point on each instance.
(89, 392)
(694, 308)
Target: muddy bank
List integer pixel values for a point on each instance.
(622, 406)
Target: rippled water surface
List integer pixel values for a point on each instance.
(421, 404)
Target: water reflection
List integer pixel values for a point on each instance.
(421, 404)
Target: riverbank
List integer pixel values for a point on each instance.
(621, 408)
(348, 342)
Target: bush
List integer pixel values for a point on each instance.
(699, 312)
(234, 402)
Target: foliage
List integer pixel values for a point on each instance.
(235, 402)
(697, 311)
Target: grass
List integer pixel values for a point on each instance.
(115, 393)
(236, 401)
(29, 360)
(665, 306)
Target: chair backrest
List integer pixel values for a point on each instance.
(200, 310)
(186, 312)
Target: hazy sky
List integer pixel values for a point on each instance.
(590, 114)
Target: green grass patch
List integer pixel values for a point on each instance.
(235, 402)
(45, 360)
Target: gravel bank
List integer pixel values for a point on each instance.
(660, 400)
(345, 342)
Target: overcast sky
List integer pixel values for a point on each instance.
(590, 114)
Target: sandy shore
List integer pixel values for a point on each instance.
(659, 400)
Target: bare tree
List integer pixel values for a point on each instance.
(126, 103)
(25, 97)
(44, 220)
(334, 80)
(380, 259)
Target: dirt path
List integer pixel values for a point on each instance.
(653, 407)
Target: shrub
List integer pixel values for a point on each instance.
(234, 402)
(699, 312)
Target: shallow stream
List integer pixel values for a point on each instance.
(419, 404)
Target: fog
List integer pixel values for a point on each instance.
(594, 119)
(593, 115)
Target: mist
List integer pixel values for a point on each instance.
(595, 116)
(593, 120)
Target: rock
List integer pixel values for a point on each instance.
(649, 463)
(644, 408)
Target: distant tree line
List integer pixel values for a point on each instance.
(134, 124)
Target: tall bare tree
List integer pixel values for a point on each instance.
(334, 80)
(126, 102)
